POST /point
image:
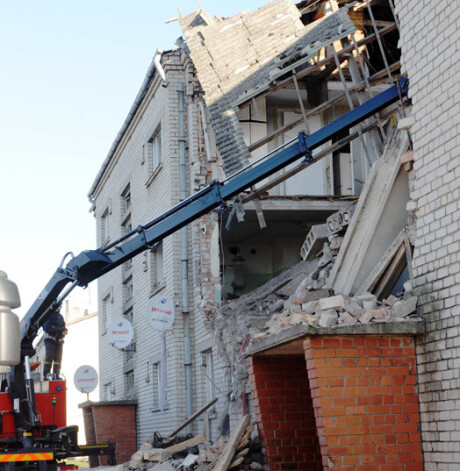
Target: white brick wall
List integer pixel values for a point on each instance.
(430, 40)
(160, 106)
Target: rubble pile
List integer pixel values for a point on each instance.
(335, 311)
(243, 454)
(232, 329)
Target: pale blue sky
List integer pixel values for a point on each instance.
(69, 72)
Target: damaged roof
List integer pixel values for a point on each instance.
(238, 57)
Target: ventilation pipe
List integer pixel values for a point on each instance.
(184, 258)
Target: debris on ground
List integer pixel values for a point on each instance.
(239, 452)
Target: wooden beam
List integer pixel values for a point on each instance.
(192, 418)
(316, 67)
(186, 444)
(227, 454)
(392, 273)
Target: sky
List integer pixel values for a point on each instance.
(69, 73)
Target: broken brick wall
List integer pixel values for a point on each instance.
(430, 46)
(284, 412)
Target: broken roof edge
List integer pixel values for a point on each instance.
(149, 77)
(410, 327)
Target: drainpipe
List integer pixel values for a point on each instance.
(159, 67)
(184, 258)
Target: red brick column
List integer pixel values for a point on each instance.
(365, 403)
(284, 412)
(113, 421)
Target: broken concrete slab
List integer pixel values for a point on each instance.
(379, 217)
(314, 242)
(404, 307)
(332, 302)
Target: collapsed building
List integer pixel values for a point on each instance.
(303, 303)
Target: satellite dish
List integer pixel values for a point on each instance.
(120, 333)
(159, 312)
(85, 379)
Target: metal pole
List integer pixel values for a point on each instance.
(350, 104)
(379, 41)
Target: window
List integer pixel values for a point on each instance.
(106, 312)
(156, 263)
(154, 151)
(129, 382)
(126, 199)
(207, 364)
(127, 227)
(128, 292)
(156, 375)
(131, 348)
(105, 233)
(108, 392)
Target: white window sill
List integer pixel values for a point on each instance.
(157, 288)
(153, 175)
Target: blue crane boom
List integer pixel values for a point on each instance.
(91, 264)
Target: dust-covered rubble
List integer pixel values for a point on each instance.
(203, 456)
(339, 310)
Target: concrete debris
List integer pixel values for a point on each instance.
(404, 307)
(333, 302)
(247, 454)
(338, 222)
(341, 311)
(248, 314)
(327, 318)
(314, 242)
(299, 296)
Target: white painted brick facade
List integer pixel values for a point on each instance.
(150, 197)
(430, 41)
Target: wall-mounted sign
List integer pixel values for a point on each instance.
(159, 313)
(85, 379)
(120, 333)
